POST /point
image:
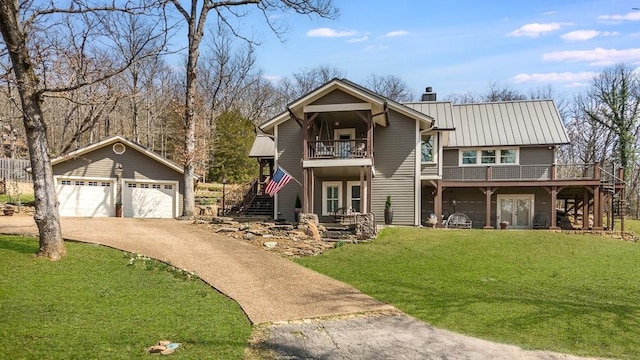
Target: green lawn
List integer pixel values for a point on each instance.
(24, 199)
(575, 294)
(100, 303)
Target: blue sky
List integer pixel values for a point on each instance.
(461, 46)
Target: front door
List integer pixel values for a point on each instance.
(517, 210)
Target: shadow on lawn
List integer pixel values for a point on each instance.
(19, 244)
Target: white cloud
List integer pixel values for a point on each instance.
(395, 33)
(357, 40)
(536, 29)
(327, 32)
(577, 84)
(553, 12)
(272, 78)
(583, 35)
(597, 56)
(554, 77)
(630, 16)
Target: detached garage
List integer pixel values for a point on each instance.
(117, 177)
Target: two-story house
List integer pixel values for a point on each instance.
(350, 148)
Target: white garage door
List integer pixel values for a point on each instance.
(86, 197)
(148, 200)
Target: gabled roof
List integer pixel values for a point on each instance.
(112, 140)
(441, 111)
(379, 105)
(263, 147)
(511, 123)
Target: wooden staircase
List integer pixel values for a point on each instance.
(261, 205)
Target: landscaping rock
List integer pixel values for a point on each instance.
(309, 218)
(270, 244)
(365, 227)
(312, 231)
(248, 236)
(226, 230)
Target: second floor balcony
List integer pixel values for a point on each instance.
(338, 149)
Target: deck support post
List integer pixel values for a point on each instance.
(585, 210)
(554, 200)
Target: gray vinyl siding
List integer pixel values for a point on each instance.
(395, 167)
(471, 201)
(289, 145)
(450, 157)
(429, 170)
(536, 155)
(102, 162)
(337, 97)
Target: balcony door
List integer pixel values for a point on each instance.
(516, 209)
(343, 145)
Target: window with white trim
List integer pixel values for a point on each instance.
(428, 148)
(79, 182)
(93, 183)
(132, 185)
(156, 186)
(168, 187)
(331, 197)
(469, 157)
(144, 186)
(66, 182)
(488, 156)
(508, 156)
(354, 195)
(106, 183)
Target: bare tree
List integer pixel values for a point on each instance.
(19, 24)
(195, 16)
(306, 80)
(614, 102)
(389, 86)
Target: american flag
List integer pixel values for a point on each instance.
(279, 179)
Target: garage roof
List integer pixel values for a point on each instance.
(112, 140)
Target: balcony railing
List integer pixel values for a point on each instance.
(520, 172)
(338, 149)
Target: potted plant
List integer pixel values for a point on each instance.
(388, 211)
(297, 208)
(504, 225)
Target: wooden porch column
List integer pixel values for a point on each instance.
(597, 209)
(488, 192)
(311, 192)
(362, 196)
(437, 201)
(305, 183)
(369, 175)
(585, 210)
(554, 200)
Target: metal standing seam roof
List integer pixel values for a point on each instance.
(263, 146)
(512, 123)
(441, 111)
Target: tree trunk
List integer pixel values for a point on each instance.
(47, 217)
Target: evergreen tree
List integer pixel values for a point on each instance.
(234, 136)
